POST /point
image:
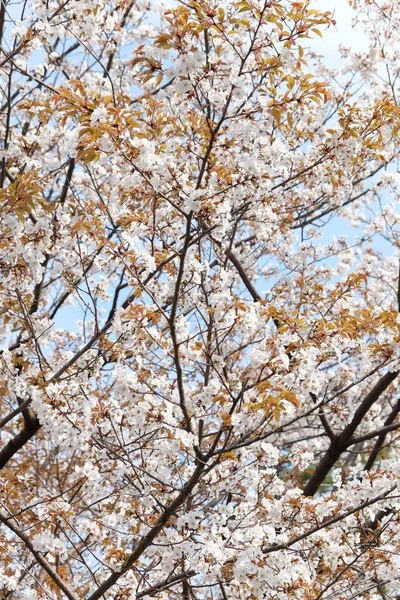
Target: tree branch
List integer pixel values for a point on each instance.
(40, 559)
(147, 540)
(341, 442)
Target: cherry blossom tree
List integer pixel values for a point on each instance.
(200, 327)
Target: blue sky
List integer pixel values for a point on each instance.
(343, 33)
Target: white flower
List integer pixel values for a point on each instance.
(19, 30)
(271, 454)
(192, 203)
(105, 143)
(99, 114)
(46, 542)
(183, 85)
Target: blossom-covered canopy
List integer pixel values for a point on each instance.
(199, 302)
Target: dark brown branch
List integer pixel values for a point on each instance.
(14, 413)
(12, 54)
(323, 419)
(32, 426)
(382, 435)
(31, 422)
(177, 361)
(67, 181)
(7, 130)
(341, 442)
(165, 585)
(40, 558)
(328, 523)
(398, 289)
(185, 589)
(2, 17)
(148, 539)
(223, 592)
(122, 26)
(244, 277)
(371, 434)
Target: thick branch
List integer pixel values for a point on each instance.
(67, 181)
(383, 431)
(341, 442)
(148, 539)
(325, 524)
(32, 426)
(381, 439)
